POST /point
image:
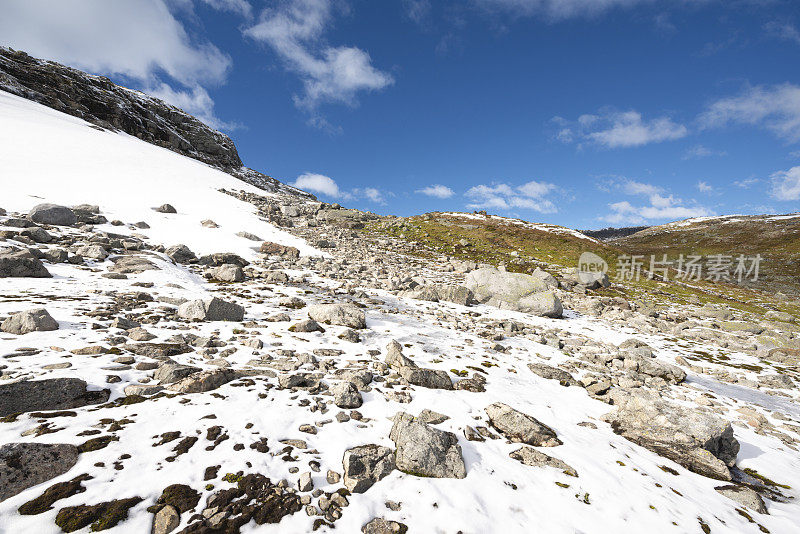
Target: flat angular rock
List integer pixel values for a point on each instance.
(700, 442)
(519, 427)
(181, 254)
(47, 394)
(212, 309)
(274, 249)
(131, 264)
(380, 525)
(204, 381)
(21, 264)
(347, 315)
(52, 214)
(309, 325)
(23, 465)
(365, 465)
(745, 496)
(427, 378)
(222, 258)
(552, 373)
(534, 458)
(37, 320)
(171, 372)
(426, 451)
(165, 208)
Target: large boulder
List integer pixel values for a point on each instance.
(52, 214)
(699, 441)
(212, 309)
(274, 249)
(426, 451)
(21, 264)
(365, 465)
(37, 320)
(131, 264)
(47, 394)
(181, 254)
(346, 395)
(514, 291)
(204, 381)
(348, 315)
(230, 272)
(221, 258)
(23, 465)
(427, 378)
(519, 427)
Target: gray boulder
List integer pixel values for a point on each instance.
(519, 427)
(204, 381)
(380, 525)
(426, 451)
(165, 208)
(514, 291)
(21, 264)
(23, 465)
(52, 214)
(348, 315)
(212, 309)
(700, 442)
(47, 394)
(229, 272)
(93, 252)
(171, 372)
(346, 395)
(37, 320)
(131, 264)
(181, 254)
(427, 378)
(365, 465)
(395, 358)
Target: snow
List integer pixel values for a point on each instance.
(48, 156)
(51, 157)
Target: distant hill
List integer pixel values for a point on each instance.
(607, 234)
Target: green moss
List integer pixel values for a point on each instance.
(100, 516)
(755, 474)
(95, 444)
(56, 492)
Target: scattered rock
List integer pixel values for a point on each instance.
(37, 320)
(519, 427)
(347, 315)
(365, 465)
(212, 309)
(745, 496)
(426, 451)
(380, 525)
(532, 457)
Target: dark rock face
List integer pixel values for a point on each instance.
(21, 264)
(48, 394)
(23, 465)
(97, 100)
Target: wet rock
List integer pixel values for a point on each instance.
(534, 458)
(212, 309)
(700, 442)
(21, 264)
(37, 320)
(519, 427)
(426, 451)
(52, 214)
(23, 465)
(47, 394)
(347, 315)
(365, 465)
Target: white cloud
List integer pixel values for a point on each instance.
(556, 9)
(700, 151)
(317, 183)
(141, 41)
(783, 30)
(329, 74)
(437, 190)
(194, 100)
(704, 187)
(776, 108)
(660, 207)
(371, 194)
(619, 129)
(241, 7)
(505, 197)
(786, 184)
(746, 184)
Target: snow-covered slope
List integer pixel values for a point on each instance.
(48, 156)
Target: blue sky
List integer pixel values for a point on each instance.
(586, 113)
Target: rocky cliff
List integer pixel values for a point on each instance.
(98, 100)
